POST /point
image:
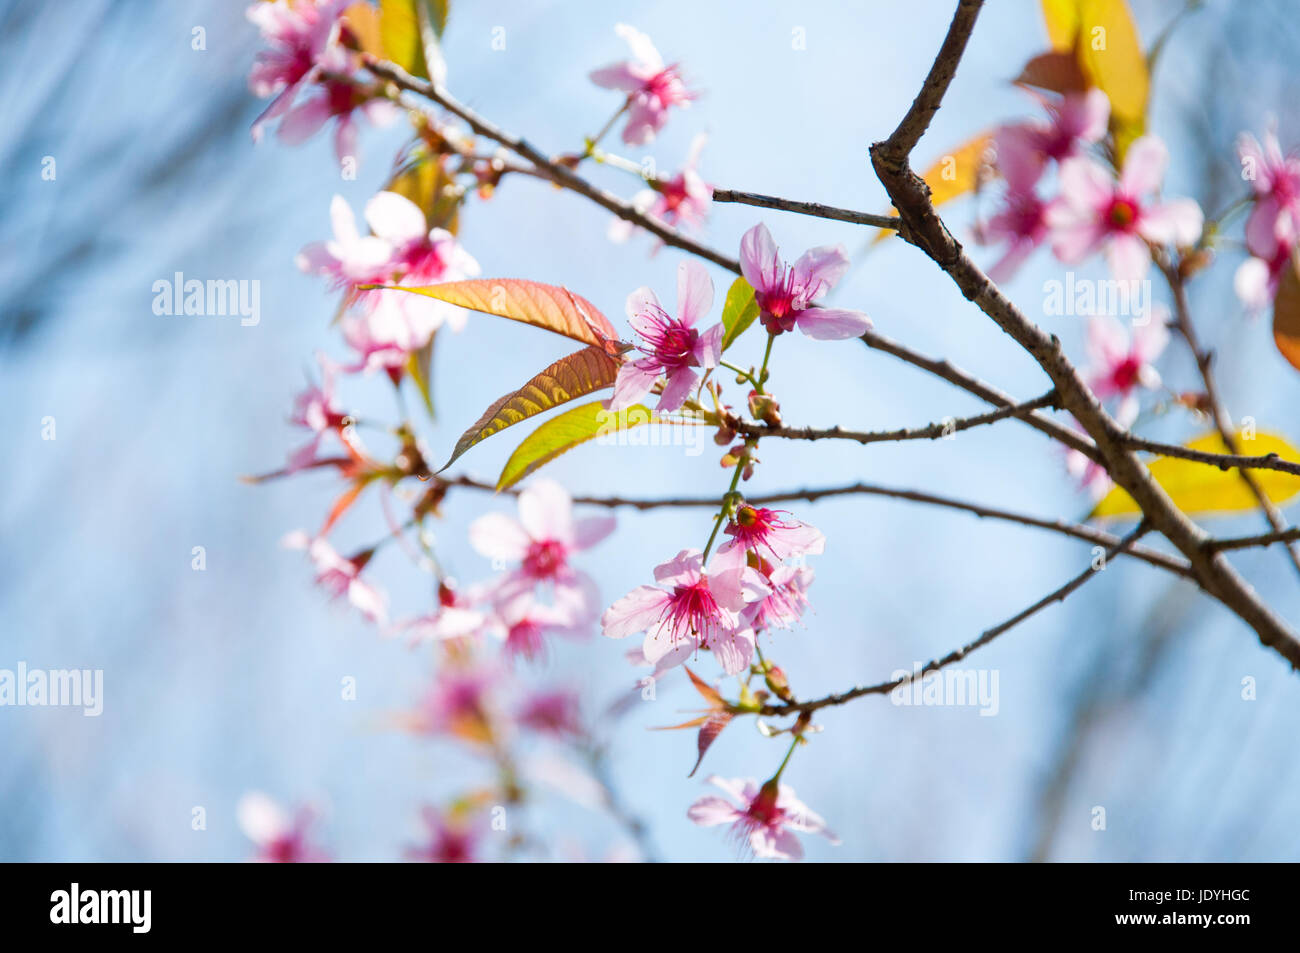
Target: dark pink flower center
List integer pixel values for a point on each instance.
(777, 307)
(1122, 215)
(669, 342)
(525, 638)
(1126, 375)
(693, 610)
(667, 88)
(545, 559)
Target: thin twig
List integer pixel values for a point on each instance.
(1223, 461)
(815, 209)
(1249, 542)
(956, 655)
(1074, 530)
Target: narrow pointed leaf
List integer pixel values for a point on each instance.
(708, 734)
(1200, 489)
(572, 428)
(704, 688)
(569, 378)
(548, 307)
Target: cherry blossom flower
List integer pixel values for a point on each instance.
(785, 604)
(1257, 279)
(340, 576)
(526, 625)
(315, 409)
(1120, 365)
(553, 713)
(350, 258)
(460, 703)
(769, 534)
(454, 618)
(280, 839)
(672, 346)
(339, 100)
(1275, 218)
(786, 294)
(1025, 149)
(1094, 210)
(298, 33)
(681, 201)
(451, 840)
(690, 609)
(542, 542)
(764, 819)
(1021, 223)
(652, 88)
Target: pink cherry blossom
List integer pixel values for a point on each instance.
(553, 713)
(451, 840)
(340, 576)
(681, 201)
(542, 542)
(454, 618)
(339, 100)
(672, 346)
(786, 294)
(1095, 211)
(280, 839)
(1024, 149)
(689, 610)
(1275, 218)
(1022, 224)
(315, 409)
(1257, 279)
(1120, 365)
(785, 604)
(652, 88)
(298, 33)
(769, 534)
(764, 819)
(461, 703)
(350, 258)
(526, 625)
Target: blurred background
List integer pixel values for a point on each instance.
(1129, 696)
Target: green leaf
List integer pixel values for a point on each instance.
(569, 378)
(543, 306)
(399, 32)
(739, 311)
(571, 428)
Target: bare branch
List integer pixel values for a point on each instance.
(956, 655)
(1224, 461)
(1249, 542)
(815, 209)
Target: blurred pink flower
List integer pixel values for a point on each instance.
(1021, 223)
(763, 819)
(687, 611)
(1275, 177)
(553, 713)
(672, 346)
(681, 201)
(279, 838)
(1257, 279)
(652, 88)
(340, 576)
(1024, 149)
(298, 33)
(340, 100)
(451, 841)
(786, 294)
(1120, 365)
(315, 409)
(1094, 210)
(542, 542)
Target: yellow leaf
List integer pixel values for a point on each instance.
(1286, 315)
(1062, 18)
(1202, 489)
(956, 173)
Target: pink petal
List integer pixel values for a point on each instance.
(395, 218)
(832, 324)
(1020, 158)
(498, 536)
(818, 270)
(709, 811)
(1086, 185)
(633, 383)
(546, 511)
(616, 76)
(1144, 166)
(636, 612)
(641, 302)
(1178, 222)
(708, 347)
(759, 258)
(590, 530)
(304, 121)
(1128, 257)
(733, 650)
(694, 292)
(1251, 283)
(1108, 342)
(681, 380)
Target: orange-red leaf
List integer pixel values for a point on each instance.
(1286, 315)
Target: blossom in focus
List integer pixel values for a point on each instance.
(652, 88)
(1021, 223)
(1095, 211)
(785, 604)
(671, 346)
(764, 819)
(541, 542)
(785, 294)
(1120, 364)
(451, 840)
(688, 610)
(681, 201)
(340, 576)
(1024, 149)
(280, 839)
(771, 534)
(297, 32)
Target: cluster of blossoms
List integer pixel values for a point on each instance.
(481, 634)
(1273, 228)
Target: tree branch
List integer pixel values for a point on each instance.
(815, 209)
(956, 655)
